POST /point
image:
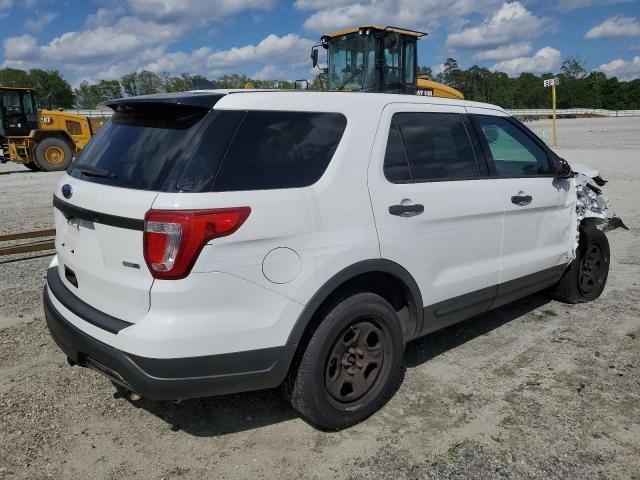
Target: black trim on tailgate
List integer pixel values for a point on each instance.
(72, 211)
(80, 308)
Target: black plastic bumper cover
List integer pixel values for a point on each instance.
(171, 379)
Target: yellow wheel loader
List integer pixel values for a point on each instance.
(39, 139)
(376, 59)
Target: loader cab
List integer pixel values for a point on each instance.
(370, 59)
(18, 112)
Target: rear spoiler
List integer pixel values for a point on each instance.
(192, 99)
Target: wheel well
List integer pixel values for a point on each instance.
(388, 286)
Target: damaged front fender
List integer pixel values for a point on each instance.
(592, 206)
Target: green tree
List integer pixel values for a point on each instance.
(148, 82)
(53, 91)
(129, 84)
(12, 77)
(425, 72)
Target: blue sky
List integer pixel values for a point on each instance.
(271, 39)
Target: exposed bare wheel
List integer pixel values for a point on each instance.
(356, 361)
(585, 279)
(351, 364)
(592, 264)
(53, 154)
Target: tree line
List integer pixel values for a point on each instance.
(578, 88)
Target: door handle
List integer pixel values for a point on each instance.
(521, 199)
(406, 210)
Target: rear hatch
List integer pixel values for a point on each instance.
(151, 145)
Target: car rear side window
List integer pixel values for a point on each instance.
(179, 148)
(513, 153)
(275, 149)
(437, 147)
(396, 164)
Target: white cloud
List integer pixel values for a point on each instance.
(420, 14)
(289, 48)
(622, 69)
(193, 11)
(504, 52)
(511, 22)
(41, 21)
(575, 4)
(321, 4)
(618, 26)
(546, 59)
(24, 47)
(117, 37)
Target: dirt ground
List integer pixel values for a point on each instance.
(536, 389)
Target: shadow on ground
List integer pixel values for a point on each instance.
(16, 171)
(215, 416)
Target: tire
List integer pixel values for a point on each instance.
(351, 365)
(587, 275)
(53, 155)
(32, 166)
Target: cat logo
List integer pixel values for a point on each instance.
(44, 120)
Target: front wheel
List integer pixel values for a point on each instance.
(587, 275)
(351, 365)
(53, 155)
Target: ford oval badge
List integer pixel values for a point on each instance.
(67, 191)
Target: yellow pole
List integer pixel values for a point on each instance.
(553, 101)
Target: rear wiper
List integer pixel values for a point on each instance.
(94, 171)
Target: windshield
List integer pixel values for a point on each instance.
(352, 63)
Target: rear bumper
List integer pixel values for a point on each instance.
(171, 379)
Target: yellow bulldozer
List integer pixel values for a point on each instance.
(376, 59)
(44, 140)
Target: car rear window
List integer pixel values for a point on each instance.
(181, 148)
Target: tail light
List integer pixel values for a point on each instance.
(173, 239)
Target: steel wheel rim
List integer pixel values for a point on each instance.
(356, 361)
(54, 155)
(591, 265)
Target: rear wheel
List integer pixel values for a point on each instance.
(53, 154)
(587, 275)
(351, 365)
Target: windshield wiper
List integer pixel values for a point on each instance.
(94, 171)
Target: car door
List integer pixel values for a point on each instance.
(437, 214)
(538, 227)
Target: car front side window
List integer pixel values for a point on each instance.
(512, 152)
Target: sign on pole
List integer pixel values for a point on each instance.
(553, 82)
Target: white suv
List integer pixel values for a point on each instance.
(210, 243)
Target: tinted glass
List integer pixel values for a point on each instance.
(280, 150)
(396, 165)
(438, 145)
(513, 152)
(159, 147)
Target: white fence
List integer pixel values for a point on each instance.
(543, 112)
(91, 113)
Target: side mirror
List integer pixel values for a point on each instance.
(301, 85)
(564, 169)
(314, 56)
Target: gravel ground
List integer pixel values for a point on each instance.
(536, 389)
